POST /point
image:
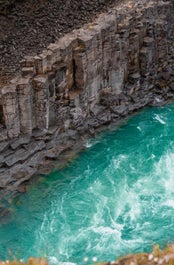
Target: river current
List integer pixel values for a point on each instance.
(115, 198)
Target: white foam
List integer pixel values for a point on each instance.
(91, 143)
(62, 262)
(165, 169)
(158, 100)
(169, 203)
(66, 263)
(124, 202)
(88, 144)
(53, 260)
(106, 230)
(116, 162)
(158, 118)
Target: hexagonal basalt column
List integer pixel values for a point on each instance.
(11, 110)
(41, 101)
(24, 93)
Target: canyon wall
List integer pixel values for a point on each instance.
(91, 77)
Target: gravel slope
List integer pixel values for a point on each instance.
(32, 24)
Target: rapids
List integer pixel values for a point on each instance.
(115, 198)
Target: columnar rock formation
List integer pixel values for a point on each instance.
(96, 75)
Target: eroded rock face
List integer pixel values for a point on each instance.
(96, 75)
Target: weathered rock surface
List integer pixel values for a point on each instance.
(92, 77)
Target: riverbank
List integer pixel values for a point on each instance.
(92, 77)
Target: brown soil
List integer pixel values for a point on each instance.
(32, 25)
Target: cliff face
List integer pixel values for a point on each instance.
(93, 76)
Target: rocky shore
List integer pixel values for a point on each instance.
(92, 77)
(156, 257)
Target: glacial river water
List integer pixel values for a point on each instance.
(115, 198)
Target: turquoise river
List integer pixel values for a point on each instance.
(114, 198)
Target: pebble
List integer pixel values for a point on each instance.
(156, 259)
(150, 257)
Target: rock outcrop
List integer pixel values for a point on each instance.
(91, 77)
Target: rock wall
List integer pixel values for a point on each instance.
(96, 75)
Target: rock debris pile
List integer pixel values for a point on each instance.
(28, 26)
